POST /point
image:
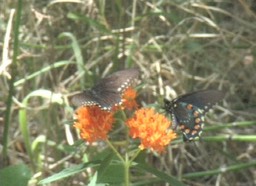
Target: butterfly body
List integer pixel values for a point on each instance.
(108, 91)
(188, 111)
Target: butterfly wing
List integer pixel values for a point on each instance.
(108, 92)
(84, 98)
(188, 111)
(203, 99)
(189, 118)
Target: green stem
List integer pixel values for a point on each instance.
(125, 162)
(134, 156)
(115, 151)
(13, 72)
(126, 170)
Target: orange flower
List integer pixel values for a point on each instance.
(152, 128)
(128, 100)
(93, 123)
(129, 97)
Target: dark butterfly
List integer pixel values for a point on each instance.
(108, 92)
(188, 111)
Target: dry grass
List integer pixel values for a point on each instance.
(179, 46)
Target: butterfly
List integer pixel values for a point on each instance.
(188, 111)
(108, 91)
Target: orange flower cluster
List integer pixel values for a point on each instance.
(152, 128)
(129, 99)
(93, 123)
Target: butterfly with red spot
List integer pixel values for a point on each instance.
(188, 111)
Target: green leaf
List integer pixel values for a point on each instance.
(15, 175)
(69, 172)
(114, 174)
(167, 178)
(105, 164)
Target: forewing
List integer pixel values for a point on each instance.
(110, 89)
(116, 82)
(108, 92)
(204, 99)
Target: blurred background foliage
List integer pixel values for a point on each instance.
(179, 46)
